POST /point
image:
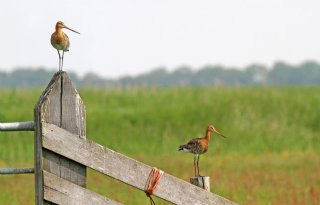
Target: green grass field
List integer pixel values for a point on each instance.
(270, 156)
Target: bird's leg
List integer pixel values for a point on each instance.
(198, 165)
(59, 59)
(62, 60)
(194, 164)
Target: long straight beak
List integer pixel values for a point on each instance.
(71, 30)
(216, 131)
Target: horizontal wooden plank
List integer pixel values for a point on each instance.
(63, 192)
(123, 168)
(17, 126)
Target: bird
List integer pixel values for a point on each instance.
(60, 41)
(198, 146)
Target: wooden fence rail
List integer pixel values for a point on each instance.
(123, 168)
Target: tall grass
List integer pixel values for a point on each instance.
(256, 120)
(270, 155)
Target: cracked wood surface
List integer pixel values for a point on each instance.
(123, 168)
(61, 105)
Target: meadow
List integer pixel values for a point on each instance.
(270, 156)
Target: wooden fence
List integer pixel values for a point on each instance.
(62, 154)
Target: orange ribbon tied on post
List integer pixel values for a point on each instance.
(153, 182)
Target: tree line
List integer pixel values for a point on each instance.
(281, 73)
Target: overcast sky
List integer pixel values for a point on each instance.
(121, 37)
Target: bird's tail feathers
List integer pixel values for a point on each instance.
(183, 148)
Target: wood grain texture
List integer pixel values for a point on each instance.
(63, 192)
(202, 182)
(61, 105)
(124, 168)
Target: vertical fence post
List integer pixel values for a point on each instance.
(60, 104)
(201, 181)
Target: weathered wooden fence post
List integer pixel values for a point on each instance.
(201, 181)
(61, 105)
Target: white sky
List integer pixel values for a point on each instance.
(121, 37)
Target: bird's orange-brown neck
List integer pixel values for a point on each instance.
(58, 30)
(208, 135)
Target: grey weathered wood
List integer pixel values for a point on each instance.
(63, 192)
(16, 170)
(124, 168)
(60, 104)
(17, 126)
(202, 182)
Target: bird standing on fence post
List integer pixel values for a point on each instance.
(198, 146)
(60, 41)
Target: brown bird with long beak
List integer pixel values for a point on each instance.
(60, 41)
(198, 146)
